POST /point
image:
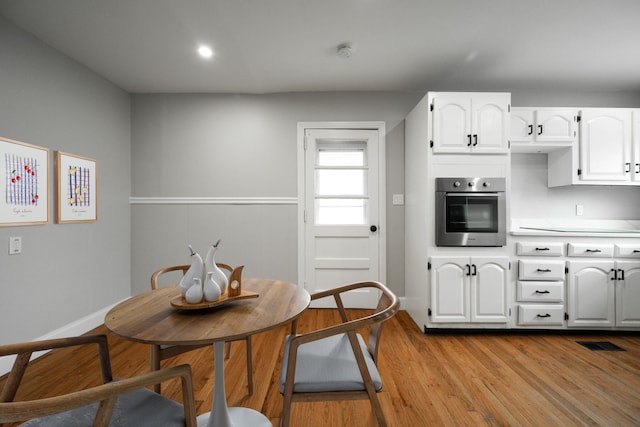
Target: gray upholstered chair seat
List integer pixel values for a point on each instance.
(138, 408)
(329, 364)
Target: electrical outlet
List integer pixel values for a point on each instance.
(398, 199)
(579, 210)
(15, 245)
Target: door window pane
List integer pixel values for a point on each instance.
(337, 157)
(340, 182)
(341, 211)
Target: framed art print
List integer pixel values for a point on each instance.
(25, 187)
(77, 188)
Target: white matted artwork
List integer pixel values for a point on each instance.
(77, 188)
(25, 188)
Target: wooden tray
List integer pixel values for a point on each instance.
(182, 304)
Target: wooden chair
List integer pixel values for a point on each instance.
(126, 400)
(162, 352)
(334, 363)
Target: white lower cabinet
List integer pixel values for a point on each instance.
(603, 293)
(469, 289)
(540, 286)
(628, 294)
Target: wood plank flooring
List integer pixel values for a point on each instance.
(457, 379)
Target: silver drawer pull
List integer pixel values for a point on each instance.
(544, 270)
(543, 292)
(543, 315)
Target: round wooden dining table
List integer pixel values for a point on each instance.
(150, 318)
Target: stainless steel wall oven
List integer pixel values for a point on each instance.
(470, 212)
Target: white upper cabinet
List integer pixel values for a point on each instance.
(539, 130)
(608, 152)
(471, 123)
(605, 146)
(635, 147)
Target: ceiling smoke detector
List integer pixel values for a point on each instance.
(345, 50)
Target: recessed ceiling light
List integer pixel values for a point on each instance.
(205, 51)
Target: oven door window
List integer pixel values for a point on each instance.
(466, 213)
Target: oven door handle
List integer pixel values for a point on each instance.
(473, 194)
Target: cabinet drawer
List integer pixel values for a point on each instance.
(540, 314)
(590, 250)
(628, 250)
(529, 269)
(540, 291)
(539, 249)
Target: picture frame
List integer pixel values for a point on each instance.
(77, 188)
(24, 192)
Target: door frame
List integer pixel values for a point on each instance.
(382, 190)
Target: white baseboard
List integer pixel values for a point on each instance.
(75, 328)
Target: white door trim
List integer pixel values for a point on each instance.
(382, 185)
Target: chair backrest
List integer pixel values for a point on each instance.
(126, 397)
(155, 277)
(388, 306)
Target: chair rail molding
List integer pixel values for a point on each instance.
(213, 200)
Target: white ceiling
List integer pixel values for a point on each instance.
(265, 46)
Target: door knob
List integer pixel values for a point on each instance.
(373, 228)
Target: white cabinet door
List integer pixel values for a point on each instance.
(628, 294)
(591, 294)
(452, 123)
(522, 125)
(605, 144)
(490, 123)
(557, 125)
(467, 123)
(489, 289)
(635, 147)
(469, 290)
(450, 289)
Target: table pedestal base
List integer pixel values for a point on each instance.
(221, 415)
(240, 417)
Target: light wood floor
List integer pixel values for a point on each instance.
(436, 379)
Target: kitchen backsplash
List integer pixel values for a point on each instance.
(531, 198)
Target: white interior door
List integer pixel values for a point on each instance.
(342, 225)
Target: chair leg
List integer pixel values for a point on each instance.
(155, 364)
(249, 365)
(285, 419)
(377, 409)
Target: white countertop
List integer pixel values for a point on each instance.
(576, 227)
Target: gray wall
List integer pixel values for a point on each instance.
(69, 271)
(216, 145)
